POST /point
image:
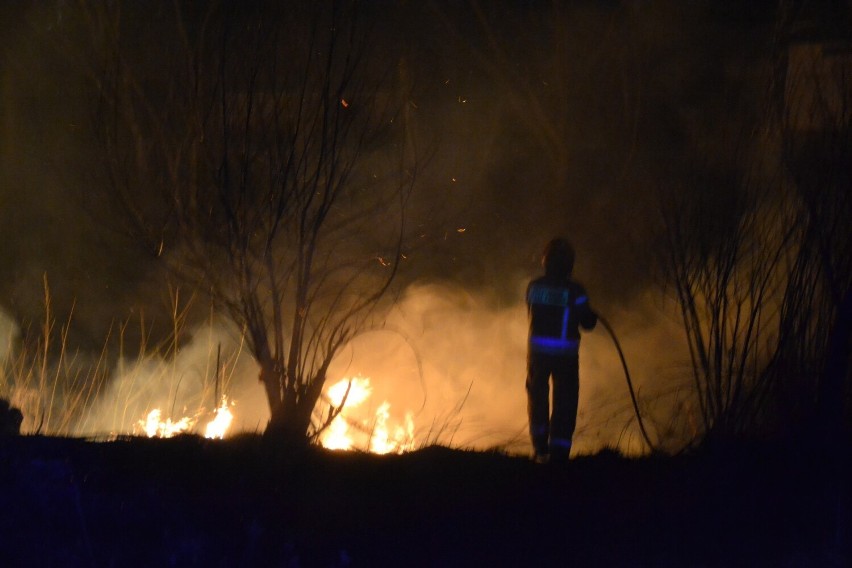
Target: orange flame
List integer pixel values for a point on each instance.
(154, 426)
(218, 427)
(375, 426)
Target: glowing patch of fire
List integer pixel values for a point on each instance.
(218, 427)
(339, 436)
(403, 437)
(154, 427)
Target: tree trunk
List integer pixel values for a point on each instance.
(289, 419)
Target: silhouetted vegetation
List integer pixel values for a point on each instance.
(759, 256)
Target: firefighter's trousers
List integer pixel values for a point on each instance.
(551, 431)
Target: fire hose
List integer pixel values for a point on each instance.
(633, 398)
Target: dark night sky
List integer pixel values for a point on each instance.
(542, 124)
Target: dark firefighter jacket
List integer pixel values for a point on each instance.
(557, 308)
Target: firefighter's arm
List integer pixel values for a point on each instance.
(586, 316)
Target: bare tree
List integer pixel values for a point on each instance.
(760, 263)
(810, 125)
(261, 151)
(727, 251)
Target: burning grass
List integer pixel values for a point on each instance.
(375, 432)
(173, 388)
(162, 390)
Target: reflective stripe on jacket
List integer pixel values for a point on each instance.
(557, 310)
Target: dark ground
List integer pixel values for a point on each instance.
(193, 502)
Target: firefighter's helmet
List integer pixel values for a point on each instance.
(558, 258)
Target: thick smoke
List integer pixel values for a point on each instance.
(457, 362)
(185, 384)
(454, 360)
(445, 348)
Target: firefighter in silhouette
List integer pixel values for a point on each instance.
(558, 307)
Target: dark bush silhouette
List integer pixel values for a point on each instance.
(10, 419)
